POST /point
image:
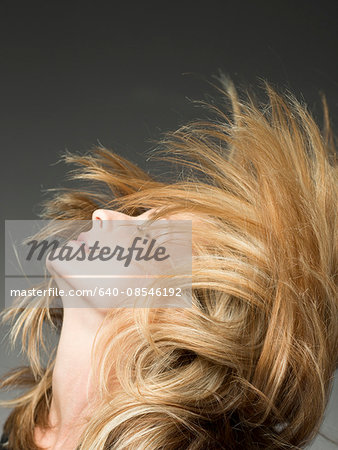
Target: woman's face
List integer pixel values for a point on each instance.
(121, 258)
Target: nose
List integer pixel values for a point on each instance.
(105, 215)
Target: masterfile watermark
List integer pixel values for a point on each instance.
(130, 260)
(141, 249)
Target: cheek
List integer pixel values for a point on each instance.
(108, 282)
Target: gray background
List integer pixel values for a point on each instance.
(78, 72)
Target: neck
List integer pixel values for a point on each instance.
(72, 386)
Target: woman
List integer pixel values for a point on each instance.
(250, 364)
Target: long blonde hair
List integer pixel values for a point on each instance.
(250, 365)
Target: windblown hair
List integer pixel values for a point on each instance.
(250, 365)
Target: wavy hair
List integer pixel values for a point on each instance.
(250, 365)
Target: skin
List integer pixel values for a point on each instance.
(72, 386)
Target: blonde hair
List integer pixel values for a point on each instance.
(250, 365)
